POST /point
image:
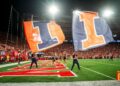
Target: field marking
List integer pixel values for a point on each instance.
(75, 75)
(6, 65)
(104, 63)
(107, 64)
(67, 73)
(99, 73)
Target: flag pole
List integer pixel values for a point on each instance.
(9, 23)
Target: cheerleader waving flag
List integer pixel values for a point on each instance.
(43, 35)
(89, 31)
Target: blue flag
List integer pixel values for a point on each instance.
(89, 31)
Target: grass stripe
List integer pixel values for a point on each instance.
(107, 64)
(98, 73)
(6, 65)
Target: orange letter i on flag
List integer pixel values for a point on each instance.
(92, 39)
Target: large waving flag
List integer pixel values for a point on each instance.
(89, 31)
(42, 36)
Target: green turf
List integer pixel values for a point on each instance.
(104, 66)
(8, 67)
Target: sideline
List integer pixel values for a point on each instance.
(78, 83)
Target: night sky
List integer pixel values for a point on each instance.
(39, 8)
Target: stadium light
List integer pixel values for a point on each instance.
(53, 10)
(76, 12)
(107, 13)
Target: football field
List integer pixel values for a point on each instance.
(91, 70)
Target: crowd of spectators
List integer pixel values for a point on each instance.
(111, 50)
(10, 53)
(12, 50)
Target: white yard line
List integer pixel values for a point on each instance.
(98, 73)
(75, 75)
(6, 65)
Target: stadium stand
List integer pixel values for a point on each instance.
(9, 52)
